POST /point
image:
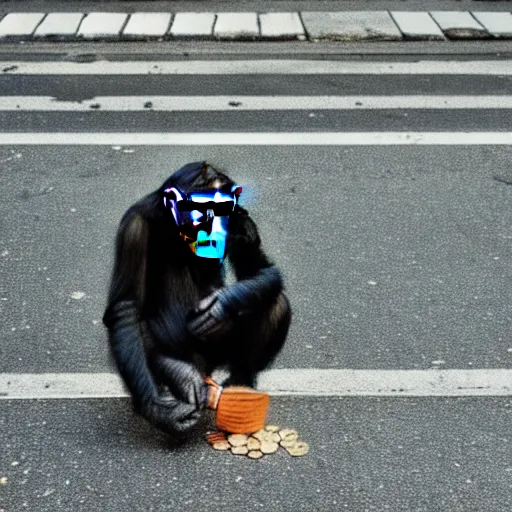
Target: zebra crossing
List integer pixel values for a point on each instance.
(85, 112)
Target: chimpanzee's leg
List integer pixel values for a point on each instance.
(258, 339)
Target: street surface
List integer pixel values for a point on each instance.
(396, 257)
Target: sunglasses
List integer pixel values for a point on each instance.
(221, 209)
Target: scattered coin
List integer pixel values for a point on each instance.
(269, 447)
(253, 444)
(287, 433)
(239, 450)
(216, 436)
(263, 442)
(275, 437)
(237, 439)
(261, 435)
(265, 436)
(221, 445)
(288, 442)
(300, 448)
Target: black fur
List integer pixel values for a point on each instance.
(156, 285)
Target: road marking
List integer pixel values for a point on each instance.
(257, 139)
(285, 382)
(260, 67)
(234, 103)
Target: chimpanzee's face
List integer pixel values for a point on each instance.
(203, 217)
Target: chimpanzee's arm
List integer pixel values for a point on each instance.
(259, 282)
(122, 319)
(125, 300)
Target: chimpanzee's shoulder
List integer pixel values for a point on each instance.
(146, 209)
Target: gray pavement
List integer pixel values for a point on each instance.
(367, 454)
(394, 257)
(429, 225)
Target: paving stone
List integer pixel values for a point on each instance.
(102, 25)
(193, 24)
(20, 24)
(236, 25)
(417, 25)
(59, 25)
(459, 25)
(143, 25)
(499, 24)
(281, 25)
(351, 26)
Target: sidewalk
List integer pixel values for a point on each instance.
(304, 26)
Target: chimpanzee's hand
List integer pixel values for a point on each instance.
(171, 415)
(182, 378)
(211, 320)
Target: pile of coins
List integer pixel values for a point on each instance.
(264, 442)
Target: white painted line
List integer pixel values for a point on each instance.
(59, 24)
(246, 103)
(60, 385)
(257, 139)
(236, 25)
(285, 382)
(498, 24)
(260, 67)
(18, 24)
(147, 24)
(193, 24)
(315, 382)
(417, 25)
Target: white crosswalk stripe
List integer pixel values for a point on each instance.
(259, 139)
(285, 382)
(235, 102)
(260, 67)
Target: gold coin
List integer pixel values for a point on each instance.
(287, 433)
(239, 450)
(300, 448)
(221, 445)
(216, 436)
(271, 428)
(269, 447)
(286, 443)
(255, 454)
(237, 439)
(253, 443)
(261, 435)
(267, 437)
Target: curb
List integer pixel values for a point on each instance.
(348, 26)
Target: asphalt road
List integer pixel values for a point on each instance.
(367, 454)
(394, 257)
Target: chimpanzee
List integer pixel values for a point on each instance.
(170, 316)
